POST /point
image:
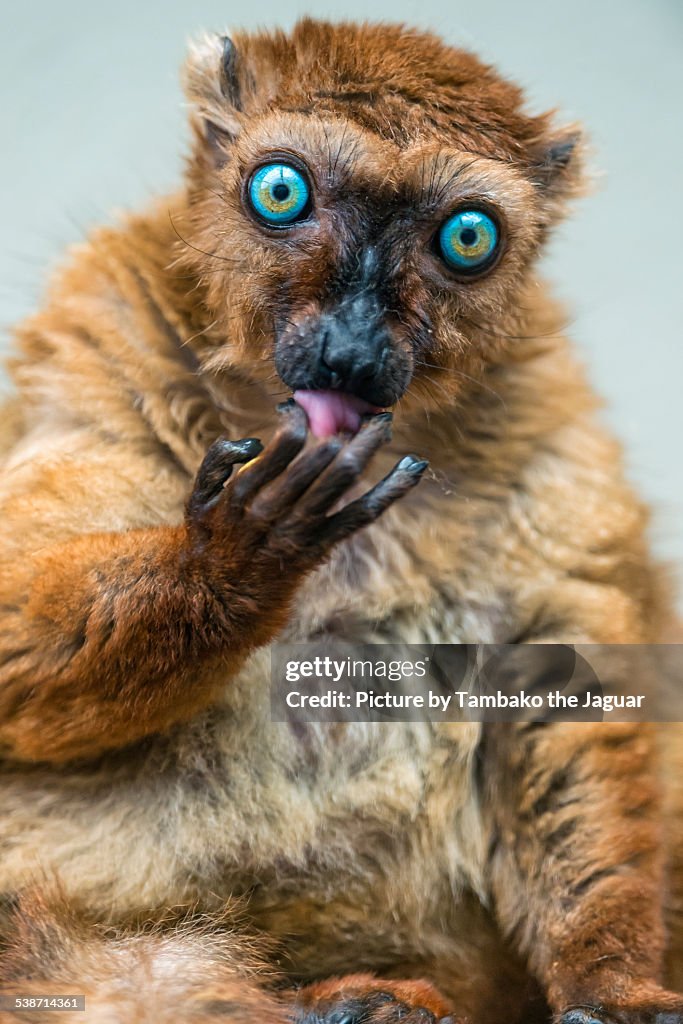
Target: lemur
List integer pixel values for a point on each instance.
(349, 271)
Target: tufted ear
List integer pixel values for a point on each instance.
(557, 164)
(212, 83)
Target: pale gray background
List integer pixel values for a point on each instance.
(91, 120)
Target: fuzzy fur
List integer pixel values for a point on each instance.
(141, 767)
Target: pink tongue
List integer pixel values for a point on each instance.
(329, 412)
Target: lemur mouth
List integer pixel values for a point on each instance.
(333, 412)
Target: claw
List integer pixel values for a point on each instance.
(411, 464)
(216, 468)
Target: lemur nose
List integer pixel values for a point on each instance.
(350, 358)
(347, 348)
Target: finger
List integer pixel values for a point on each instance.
(282, 493)
(216, 467)
(347, 466)
(403, 477)
(288, 441)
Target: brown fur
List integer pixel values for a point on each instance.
(507, 865)
(213, 974)
(209, 968)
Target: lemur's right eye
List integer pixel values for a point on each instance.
(279, 194)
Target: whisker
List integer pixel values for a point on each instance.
(340, 145)
(212, 255)
(491, 333)
(219, 195)
(198, 334)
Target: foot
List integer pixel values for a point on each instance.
(362, 999)
(664, 1008)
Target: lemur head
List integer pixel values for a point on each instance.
(366, 206)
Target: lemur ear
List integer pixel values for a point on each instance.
(230, 83)
(212, 83)
(557, 164)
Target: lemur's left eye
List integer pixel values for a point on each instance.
(279, 194)
(468, 241)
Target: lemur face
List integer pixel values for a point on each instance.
(378, 217)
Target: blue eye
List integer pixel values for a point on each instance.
(279, 194)
(468, 240)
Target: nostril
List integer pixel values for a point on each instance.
(332, 378)
(368, 369)
(365, 372)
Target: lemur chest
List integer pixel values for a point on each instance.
(337, 819)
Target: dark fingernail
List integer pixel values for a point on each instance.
(413, 464)
(376, 417)
(286, 406)
(248, 448)
(579, 1016)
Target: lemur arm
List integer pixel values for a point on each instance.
(110, 636)
(107, 635)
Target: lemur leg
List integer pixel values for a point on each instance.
(576, 865)
(109, 637)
